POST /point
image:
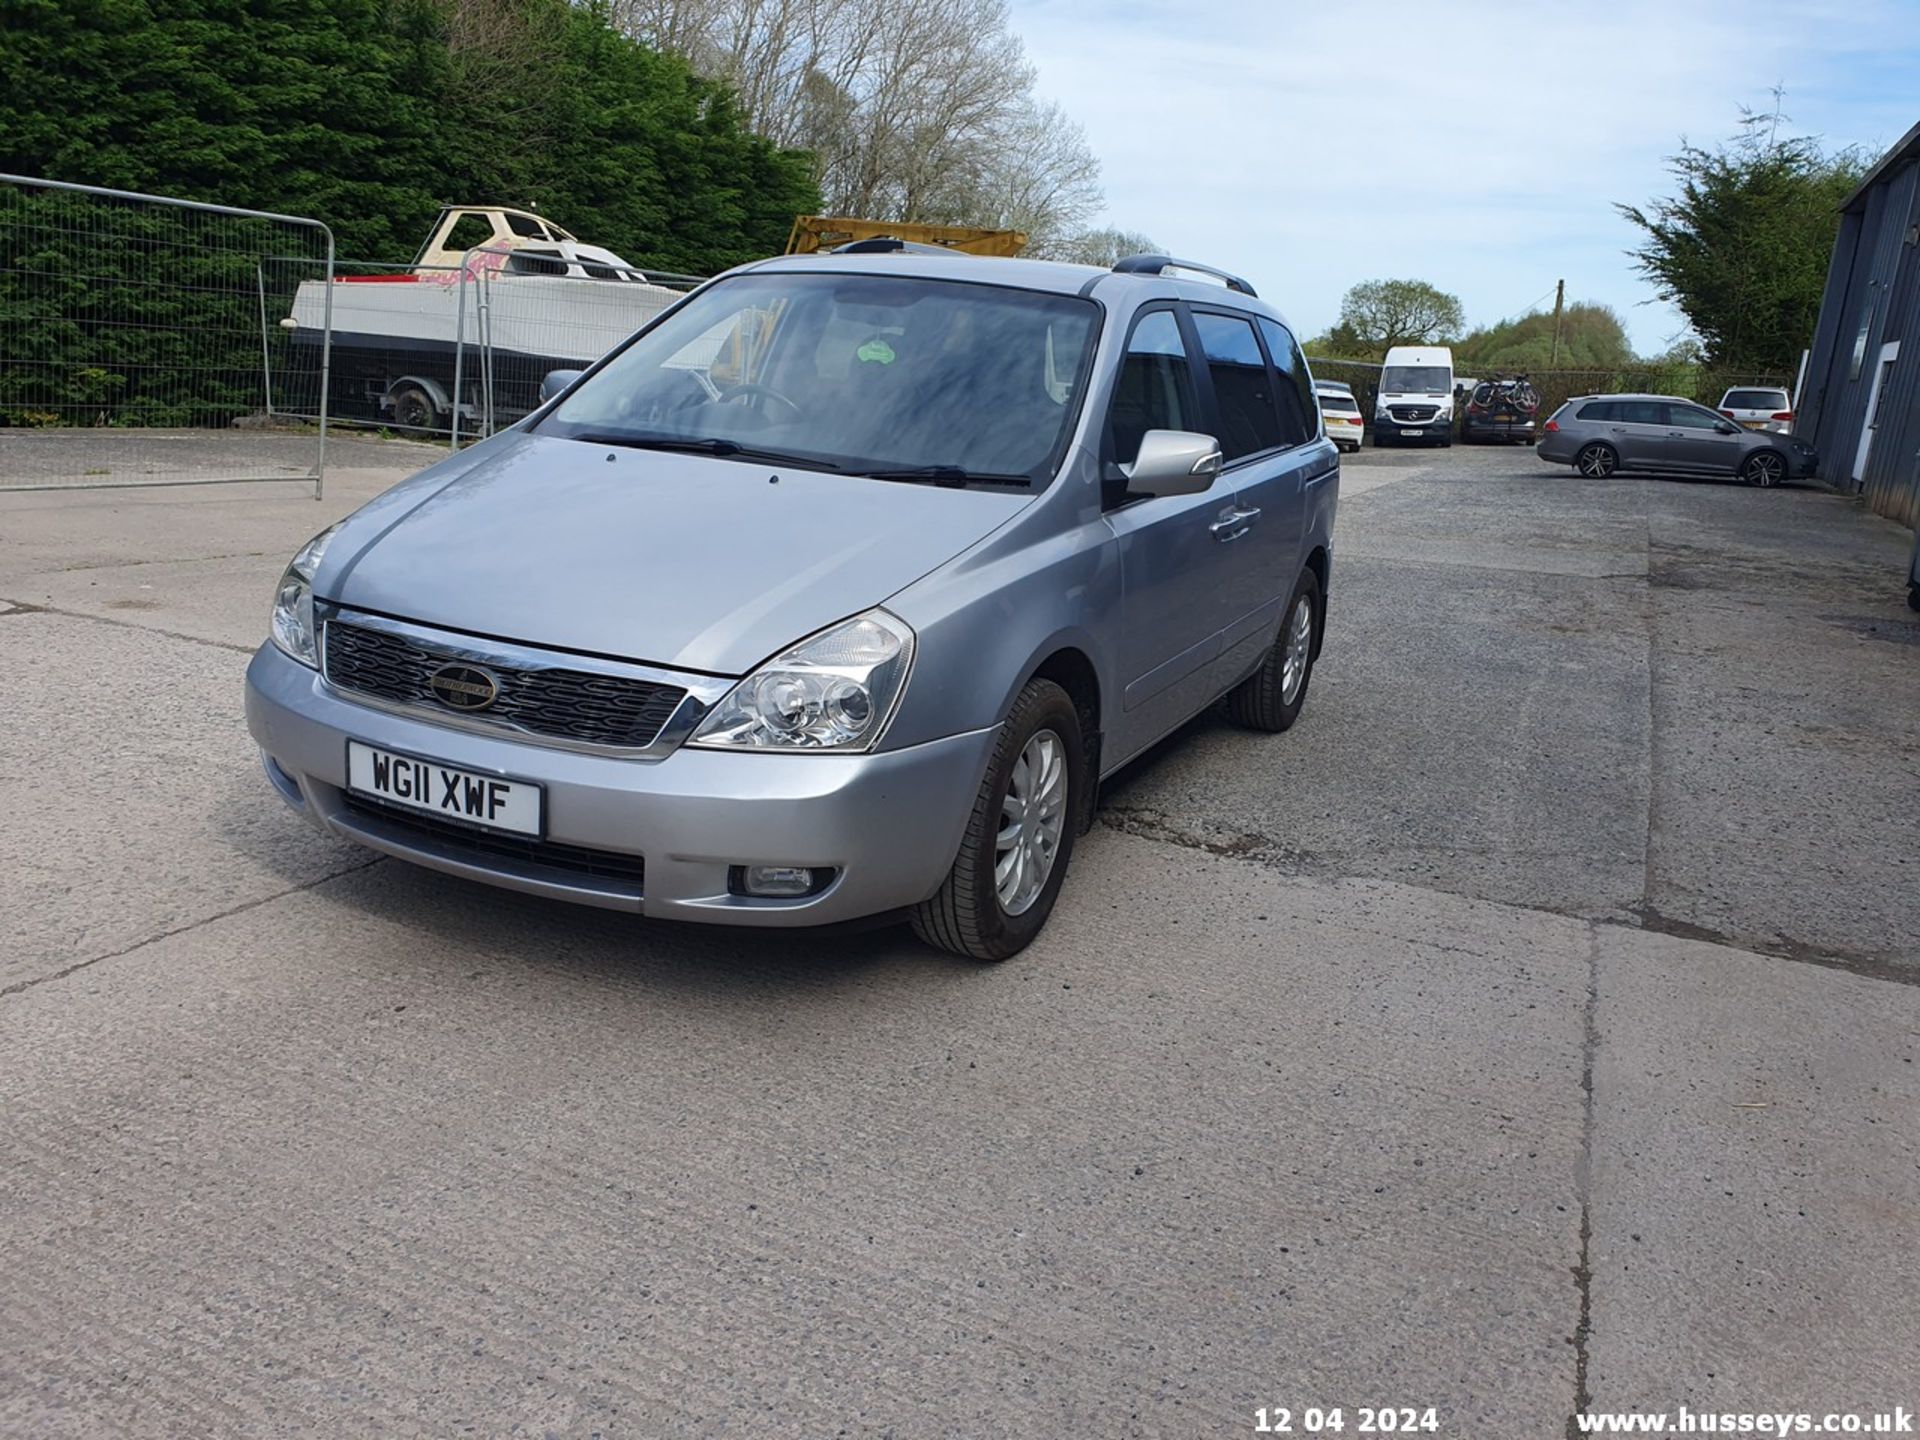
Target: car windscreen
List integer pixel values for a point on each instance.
(859, 373)
(1334, 400)
(1416, 380)
(1770, 400)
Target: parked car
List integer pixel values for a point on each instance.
(1600, 434)
(1499, 410)
(1758, 408)
(1345, 424)
(1416, 396)
(854, 626)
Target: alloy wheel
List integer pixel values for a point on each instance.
(1032, 818)
(1764, 468)
(1596, 462)
(1298, 649)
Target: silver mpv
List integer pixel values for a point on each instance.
(832, 593)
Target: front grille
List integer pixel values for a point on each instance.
(1417, 414)
(566, 704)
(483, 846)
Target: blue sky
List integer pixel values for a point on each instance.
(1311, 147)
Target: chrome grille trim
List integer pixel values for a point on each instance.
(697, 693)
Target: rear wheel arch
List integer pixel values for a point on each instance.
(1321, 564)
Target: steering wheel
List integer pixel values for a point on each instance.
(747, 390)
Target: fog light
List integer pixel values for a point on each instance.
(783, 882)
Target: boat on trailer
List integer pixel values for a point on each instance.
(494, 300)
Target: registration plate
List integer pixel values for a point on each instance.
(1754, 424)
(1413, 432)
(444, 790)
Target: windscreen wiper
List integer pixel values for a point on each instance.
(706, 445)
(951, 476)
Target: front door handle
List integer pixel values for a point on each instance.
(1232, 524)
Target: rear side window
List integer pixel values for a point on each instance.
(1601, 410)
(1242, 387)
(1155, 388)
(1299, 421)
(1642, 412)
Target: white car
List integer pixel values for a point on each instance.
(1341, 412)
(1758, 408)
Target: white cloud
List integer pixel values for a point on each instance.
(1311, 147)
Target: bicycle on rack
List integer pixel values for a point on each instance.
(1501, 410)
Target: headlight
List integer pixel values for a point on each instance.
(836, 691)
(292, 627)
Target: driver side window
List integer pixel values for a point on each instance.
(1155, 387)
(1686, 417)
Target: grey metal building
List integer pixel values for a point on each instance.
(1860, 403)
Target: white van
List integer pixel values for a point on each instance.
(1416, 396)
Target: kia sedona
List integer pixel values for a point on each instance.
(832, 593)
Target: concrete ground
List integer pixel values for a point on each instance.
(1531, 1029)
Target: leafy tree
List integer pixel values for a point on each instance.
(1592, 337)
(367, 114)
(1742, 247)
(1377, 314)
(371, 114)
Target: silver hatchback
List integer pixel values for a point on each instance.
(834, 592)
(1600, 434)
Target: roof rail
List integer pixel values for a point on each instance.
(1154, 264)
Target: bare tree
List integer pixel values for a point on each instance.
(918, 110)
(1105, 248)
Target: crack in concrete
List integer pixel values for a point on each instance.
(20, 987)
(163, 560)
(1154, 825)
(23, 607)
(1583, 1184)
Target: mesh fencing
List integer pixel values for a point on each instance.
(533, 314)
(139, 342)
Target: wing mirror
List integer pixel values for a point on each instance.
(556, 381)
(1174, 462)
(1727, 427)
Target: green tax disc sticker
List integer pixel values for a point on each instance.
(876, 352)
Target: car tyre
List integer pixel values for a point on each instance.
(1913, 597)
(1764, 469)
(1597, 461)
(972, 913)
(1271, 698)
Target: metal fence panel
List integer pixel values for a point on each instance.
(392, 331)
(521, 324)
(140, 343)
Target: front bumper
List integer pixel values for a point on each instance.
(888, 824)
(1385, 427)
